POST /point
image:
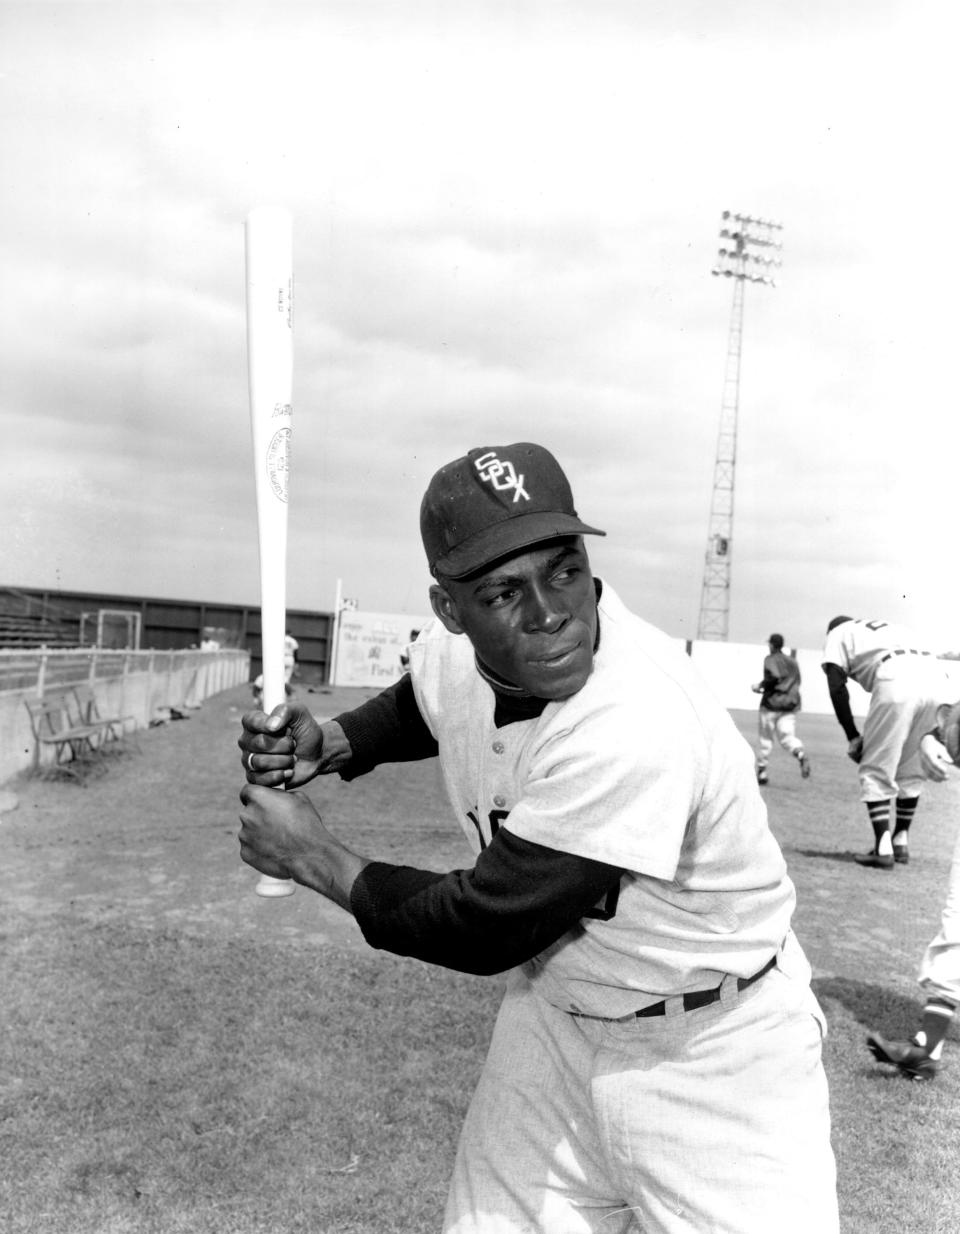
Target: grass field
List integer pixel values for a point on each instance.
(179, 1055)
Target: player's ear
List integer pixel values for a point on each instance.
(445, 607)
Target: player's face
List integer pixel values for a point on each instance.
(531, 619)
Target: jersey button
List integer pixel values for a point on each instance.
(498, 747)
(499, 801)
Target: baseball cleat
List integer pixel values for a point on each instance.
(761, 777)
(901, 854)
(879, 861)
(911, 1060)
(805, 766)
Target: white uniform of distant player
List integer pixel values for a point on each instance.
(290, 649)
(906, 683)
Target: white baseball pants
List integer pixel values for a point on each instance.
(903, 708)
(714, 1119)
(940, 967)
(780, 726)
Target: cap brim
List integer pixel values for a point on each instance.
(508, 538)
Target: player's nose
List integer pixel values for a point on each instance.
(543, 611)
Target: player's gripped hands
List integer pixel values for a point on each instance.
(283, 835)
(935, 758)
(280, 749)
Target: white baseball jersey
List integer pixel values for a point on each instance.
(642, 769)
(860, 647)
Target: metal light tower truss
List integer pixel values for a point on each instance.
(738, 259)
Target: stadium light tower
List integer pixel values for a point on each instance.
(738, 258)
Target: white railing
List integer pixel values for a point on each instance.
(141, 684)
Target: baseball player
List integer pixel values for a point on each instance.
(939, 975)
(656, 1062)
(779, 705)
(290, 649)
(905, 682)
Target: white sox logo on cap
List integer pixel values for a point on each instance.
(501, 474)
(492, 502)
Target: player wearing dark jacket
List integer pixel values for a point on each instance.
(780, 701)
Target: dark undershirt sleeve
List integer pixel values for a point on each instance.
(517, 900)
(840, 698)
(386, 729)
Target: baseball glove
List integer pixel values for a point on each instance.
(855, 749)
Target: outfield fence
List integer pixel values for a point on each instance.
(141, 684)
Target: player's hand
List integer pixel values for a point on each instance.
(934, 758)
(855, 749)
(277, 830)
(281, 834)
(758, 688)
(282, 748)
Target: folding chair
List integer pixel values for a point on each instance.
(114, 727)
(74, 749)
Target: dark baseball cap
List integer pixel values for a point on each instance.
(493, 502)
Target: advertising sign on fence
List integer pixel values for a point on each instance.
(371, 647)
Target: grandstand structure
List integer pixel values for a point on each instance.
(33, 618)
(28, 623)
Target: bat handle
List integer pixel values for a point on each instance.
(272, 888)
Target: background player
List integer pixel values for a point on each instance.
(940, 968)
(625, 875)
(905, 682)
(290, 649)
(779, 705)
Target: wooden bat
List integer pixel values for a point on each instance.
(269, 254)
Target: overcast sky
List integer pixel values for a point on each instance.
(505, 217)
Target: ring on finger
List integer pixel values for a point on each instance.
(249, 760)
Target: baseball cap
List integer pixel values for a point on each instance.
(493, 502)
(837, 621)
(775, 640)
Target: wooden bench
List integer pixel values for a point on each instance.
(114, 727)
(77, 747)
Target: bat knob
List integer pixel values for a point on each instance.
(273, 887)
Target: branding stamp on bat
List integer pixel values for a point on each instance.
(278, 462)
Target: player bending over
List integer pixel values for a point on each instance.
(905, 682)
(656, 1062)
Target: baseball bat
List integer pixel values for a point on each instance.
(269, 257)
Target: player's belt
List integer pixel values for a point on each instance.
(703, 998)
(903, 651)
(691, 1000)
